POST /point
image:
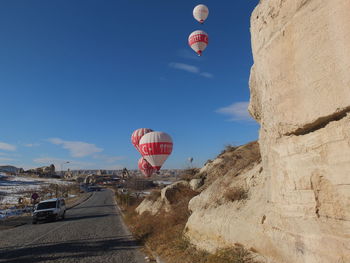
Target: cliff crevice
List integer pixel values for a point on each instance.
(320, 123)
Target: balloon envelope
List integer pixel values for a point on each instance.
(198, 41)
(137, 135)
(145, 167)
(200, 13)
(156, 147)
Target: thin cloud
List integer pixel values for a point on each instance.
(31, 145)
(237, 111)
(184, 67)
(207, 75)
(191, 69)
(77, 148)
(7, 147)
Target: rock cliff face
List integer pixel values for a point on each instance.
(300, 93)
(298, 208)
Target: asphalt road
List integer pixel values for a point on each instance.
(92, 232)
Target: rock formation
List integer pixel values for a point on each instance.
(298, 207)
(165, 200)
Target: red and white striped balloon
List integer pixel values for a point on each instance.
(198, 41)
(137, 135)
(156, 147)
(200, 13)
(145, 167)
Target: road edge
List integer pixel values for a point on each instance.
(139, 255)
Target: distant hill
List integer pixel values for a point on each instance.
(9, 169)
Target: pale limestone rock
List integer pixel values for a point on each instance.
(150, 206)
(195, 184)
(217, 222)
(300, 95)
(299, 206)
(163, 201)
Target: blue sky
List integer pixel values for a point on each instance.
(78, 76)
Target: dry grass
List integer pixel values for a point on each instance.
(234, 161)
(228, 148)
(236, 194)
(163, 234)
(232, 255)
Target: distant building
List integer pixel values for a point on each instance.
(43, 171)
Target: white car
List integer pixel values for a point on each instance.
(51, 209)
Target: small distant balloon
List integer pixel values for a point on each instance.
(200, 13)
(190, 159)
(198, 41)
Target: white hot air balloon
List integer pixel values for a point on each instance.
(156, 147)
(200, 13)
(198, 41)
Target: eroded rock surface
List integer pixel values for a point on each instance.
(298, 207)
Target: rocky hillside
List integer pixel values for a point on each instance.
(294, 205)
(298, 207)
(225, 192)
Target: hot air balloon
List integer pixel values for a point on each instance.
(198, 41)
(190, 159)
(156, 147)
(200, 13)
(145, 167)
(137, 135)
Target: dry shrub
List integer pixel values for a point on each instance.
(179, 195)
(154, 195)
(189, 174)
(232, 255)
(208, 162)
(234, 160)
(228, 148)
(236, 194)
(127, 200)
(163, 232)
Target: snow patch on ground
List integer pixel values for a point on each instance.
(13, 211)
(13, 187)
